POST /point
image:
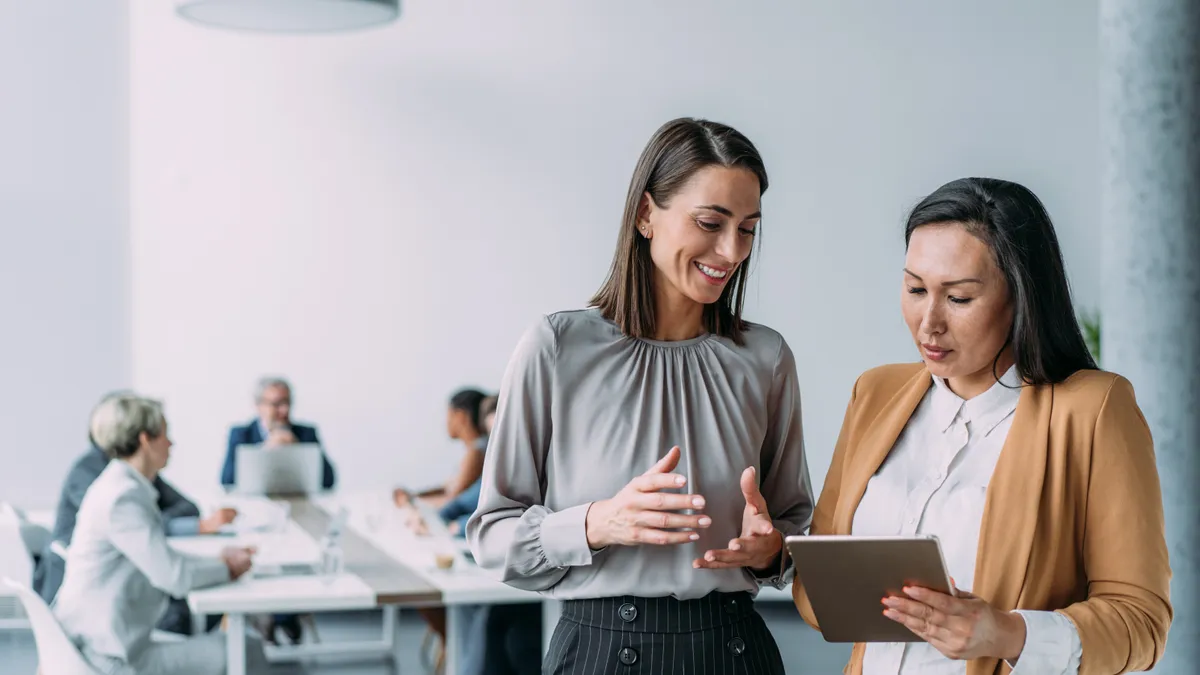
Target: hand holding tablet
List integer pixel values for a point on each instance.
(846, 579)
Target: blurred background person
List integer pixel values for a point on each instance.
(120, 571)
(463, 424)
(502, 639)
(180, 517)
(272, 428)
(459, 508)
(467, 419)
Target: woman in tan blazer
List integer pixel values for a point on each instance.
(1035, 470)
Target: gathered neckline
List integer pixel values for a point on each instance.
(704, 336)
(672, 344)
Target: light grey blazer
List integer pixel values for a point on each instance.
(120, 570)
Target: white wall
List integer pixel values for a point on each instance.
(379, 215)
(64, 197)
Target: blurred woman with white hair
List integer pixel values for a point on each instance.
(120, 570)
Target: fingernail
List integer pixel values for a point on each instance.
(705, 522)
(698, 501)
(735, 547)
(680, 480)
(694, 537)
(709, 557)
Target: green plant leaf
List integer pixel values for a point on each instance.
(1089, 322)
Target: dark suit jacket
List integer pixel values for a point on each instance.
(250, 434)
(49, 573)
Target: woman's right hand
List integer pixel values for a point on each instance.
(218, 519)
(641, 514)
(238, 560)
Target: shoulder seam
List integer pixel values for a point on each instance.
(553, 336)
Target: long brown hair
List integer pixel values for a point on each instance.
(674, 154)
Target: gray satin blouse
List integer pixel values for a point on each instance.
(583, 409)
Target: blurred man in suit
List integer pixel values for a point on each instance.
(273, 428)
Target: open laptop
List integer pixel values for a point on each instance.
(284, 470)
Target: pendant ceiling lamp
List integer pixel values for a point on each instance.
(289, 16)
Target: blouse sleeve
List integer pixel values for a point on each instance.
(785, 482)
(512, 534)
(822, 520)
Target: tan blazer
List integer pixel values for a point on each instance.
(1073, 519)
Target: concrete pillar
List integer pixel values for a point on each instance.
(1150, 149)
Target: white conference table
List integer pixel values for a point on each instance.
(371, 579)
(386, 567)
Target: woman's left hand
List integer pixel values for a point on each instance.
(962, 626)
(760, 543)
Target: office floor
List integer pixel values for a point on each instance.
(804, 652)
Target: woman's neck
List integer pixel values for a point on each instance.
(677, 317)
(968, 387)
(141, 464)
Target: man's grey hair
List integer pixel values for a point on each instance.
(269, 382)
(120, 419)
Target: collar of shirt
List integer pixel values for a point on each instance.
(264, 432)
(141, 480)
(984, 412)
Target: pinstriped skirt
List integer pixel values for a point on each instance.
(719, 634)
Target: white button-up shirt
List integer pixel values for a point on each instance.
(935, 481)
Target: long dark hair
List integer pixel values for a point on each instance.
(1046, 340)
(469, 400)
(674, 154)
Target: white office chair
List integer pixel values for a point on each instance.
(15, 563)
(57, 655)
(36, 537)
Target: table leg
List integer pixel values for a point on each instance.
(235, 645)
(455, 625)
(389, 625)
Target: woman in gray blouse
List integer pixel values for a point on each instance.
(647, 458)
